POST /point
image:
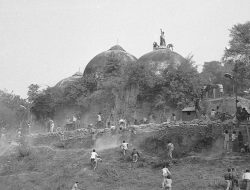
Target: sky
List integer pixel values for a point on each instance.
(44, 41)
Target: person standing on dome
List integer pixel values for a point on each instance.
(162, 39)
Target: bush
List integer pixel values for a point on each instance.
(23, 151)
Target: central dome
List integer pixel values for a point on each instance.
(100, 61)
(161, 59)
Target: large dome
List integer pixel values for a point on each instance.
(99, 62)
(67, 81)
(161, 59)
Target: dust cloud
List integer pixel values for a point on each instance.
(107, 142)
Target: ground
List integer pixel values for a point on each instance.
(51, 168)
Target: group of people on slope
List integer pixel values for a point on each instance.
(234, 142)
(242, 114)
(232, 179)
(135, 154)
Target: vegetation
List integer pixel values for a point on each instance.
(237, 55)
(13, 110)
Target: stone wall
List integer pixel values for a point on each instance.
(154, 138)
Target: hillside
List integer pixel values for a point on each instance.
(52, 167)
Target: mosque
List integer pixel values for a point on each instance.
(161, 57)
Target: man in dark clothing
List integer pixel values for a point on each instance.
(235, 178)
(244, 114)
(135, 155)
(228, 179)
(240, 140)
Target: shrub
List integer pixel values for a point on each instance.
(23, 151)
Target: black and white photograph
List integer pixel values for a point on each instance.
(124, 95)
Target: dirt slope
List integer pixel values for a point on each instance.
(48, 168)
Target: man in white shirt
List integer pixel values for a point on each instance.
(213, 112)
(99, 117)
(52, 125)
(170, 148)
(168, 183)
(246, 177)
(165, 173)
(93, 159)
(75, 186)
(124, 147)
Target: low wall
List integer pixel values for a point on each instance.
(186, 136)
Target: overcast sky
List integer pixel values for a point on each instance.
(44, 41)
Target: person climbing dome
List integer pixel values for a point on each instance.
(165, 174)
(135, 155)
(75, 186)
(124, 147)
(170, 149)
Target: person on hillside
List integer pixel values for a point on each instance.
(124, 147)
(74, 119)
(173, 117)
(136, 122)
(213, 113)
(75, 186)
(235, 179)
(240, 140)
(165, 174)
(226, 141)
(234, 138)
(246, 147)
(135, 155)
(99, 117)
(244, 114)
(94, 159)
(51, 126)
(246, 178)
(170, 149)
(99, 120)
(113, 128)
(228, 179)
(19, 132)
(168, 183)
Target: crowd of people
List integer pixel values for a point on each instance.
(234, 142)
(233, 179)
(135, 155)
(242, 114)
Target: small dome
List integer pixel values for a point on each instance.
(67, 81)
(98, 63)
(161, 59)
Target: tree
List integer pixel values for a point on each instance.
(183, 86)
(33, 92)
(239, 44)
(237, 56)
(13, 109)
(213, 72)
